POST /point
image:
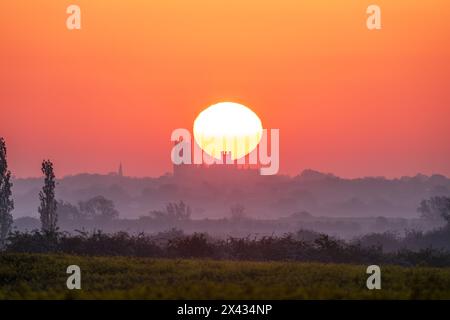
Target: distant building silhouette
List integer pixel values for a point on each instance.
(224, 170)
(120, 171)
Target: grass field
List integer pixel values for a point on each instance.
(33, 276)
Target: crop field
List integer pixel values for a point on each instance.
(43, 276)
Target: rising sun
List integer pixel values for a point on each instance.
(227, 127)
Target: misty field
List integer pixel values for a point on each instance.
(35, 276)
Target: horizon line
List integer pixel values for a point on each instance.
(330, 174)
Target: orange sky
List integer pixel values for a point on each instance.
(346, 100)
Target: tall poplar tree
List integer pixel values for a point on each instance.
(6, 201)
(47, 209)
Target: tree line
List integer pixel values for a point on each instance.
(174, 244)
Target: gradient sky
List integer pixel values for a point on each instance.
(346, 100)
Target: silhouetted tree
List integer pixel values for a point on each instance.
(237, 212)
(174, 212)
(47, 209)
(98, 208)
(68, 212)
(179, 210)
(6, 201)
(435, 208)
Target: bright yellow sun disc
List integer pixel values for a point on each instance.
(227, 127)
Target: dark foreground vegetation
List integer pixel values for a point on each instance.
(415, 249)
(43, 276)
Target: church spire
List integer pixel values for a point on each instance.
(120, 172)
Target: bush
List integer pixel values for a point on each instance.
(194, 246)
